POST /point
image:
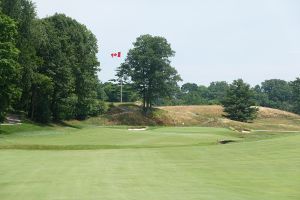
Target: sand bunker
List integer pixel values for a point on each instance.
(138, 129)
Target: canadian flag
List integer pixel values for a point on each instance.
(116, 55)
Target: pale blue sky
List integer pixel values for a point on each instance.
(213, 39)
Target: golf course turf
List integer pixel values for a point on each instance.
(159, 163)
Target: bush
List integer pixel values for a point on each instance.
(98, 107)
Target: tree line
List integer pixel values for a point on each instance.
(48, 66)
(273, 93)
(48, 70)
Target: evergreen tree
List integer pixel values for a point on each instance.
(238, 102)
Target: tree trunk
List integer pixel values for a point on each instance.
(32, 104)
(54, 106)
(144, 100)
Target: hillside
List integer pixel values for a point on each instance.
(268, 118)
(208, 116)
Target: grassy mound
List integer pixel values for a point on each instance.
(206, 116)
(212, 116)
(131, 115)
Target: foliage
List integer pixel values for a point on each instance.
(112, 92)
(41, 98)
(23, 12)
(173, 100)
(70, 60)
(296, 95)
(193, 94)
(148, 67)
(238, 102)
(101, 94)
(68, 52)
(98, 107)
(276, 93)
(9, 67)
(216, 91)
(58, 64)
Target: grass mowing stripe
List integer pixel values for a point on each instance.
(93, 147)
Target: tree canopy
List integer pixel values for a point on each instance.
(58, 65)
(296, 95)
(9, 67)
(69, 59)
(148, 67)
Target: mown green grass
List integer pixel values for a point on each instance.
(160, 163)
(103, 138)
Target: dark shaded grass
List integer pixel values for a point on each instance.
(93, 147)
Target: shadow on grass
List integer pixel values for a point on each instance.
(30, 126)
(2, 132)
(61, 123)
(93, 147)
(54, 124)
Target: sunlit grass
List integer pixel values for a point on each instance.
(161, 163)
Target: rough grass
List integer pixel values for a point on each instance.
(161, 163)
(268, 118)
(205, 116)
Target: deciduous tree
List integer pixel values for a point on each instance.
(296, 95)
(148, 67)
(9, 66)
(23, 12)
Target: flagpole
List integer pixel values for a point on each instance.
(119, 56)
(121, 89)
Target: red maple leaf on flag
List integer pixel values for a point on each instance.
(116, 55)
